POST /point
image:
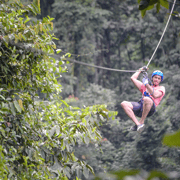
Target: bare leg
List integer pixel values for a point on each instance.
(148, 103)
(128, 108)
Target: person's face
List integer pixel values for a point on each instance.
(156, 79)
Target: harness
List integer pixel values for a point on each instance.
(145, 75)
(146, 94)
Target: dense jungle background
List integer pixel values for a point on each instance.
(45, 133)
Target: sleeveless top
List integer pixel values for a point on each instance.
(156, 88)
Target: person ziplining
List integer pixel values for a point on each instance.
(151, 97)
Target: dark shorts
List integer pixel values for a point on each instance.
(138, 108)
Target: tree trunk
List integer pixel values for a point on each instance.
(76, 67)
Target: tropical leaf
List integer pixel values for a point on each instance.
(21, 104)
(17, 106)
(65, 103)
(155, 174)
(122, 174)
(172, 139)
(158, 7)
(12, 108)
(164, 3)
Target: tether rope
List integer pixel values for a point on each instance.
(162, 34)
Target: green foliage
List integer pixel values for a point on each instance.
(172, 140)
(122, 174)
(157, 174)
(145, 5)
(38, 137)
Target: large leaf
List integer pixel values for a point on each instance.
(12, 108)
(2, 97)
(143, 13)
(164, 3)
(64, 102)
(17, 106)
(121, 174)
(21, 104)
(172, 140)
(86, 172)
(155, 174)
(158, 7)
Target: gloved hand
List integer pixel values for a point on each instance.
(143, 69)
(145, 81)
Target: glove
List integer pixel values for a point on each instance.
(143, 69)
(145, 81)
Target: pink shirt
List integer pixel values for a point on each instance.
(156, 88)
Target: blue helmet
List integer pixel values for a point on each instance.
(159, 73)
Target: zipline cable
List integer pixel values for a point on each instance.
(162, 34)
(99, 67)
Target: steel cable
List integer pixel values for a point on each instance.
(162, 34)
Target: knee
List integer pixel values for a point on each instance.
(124, 104)
(148, 100)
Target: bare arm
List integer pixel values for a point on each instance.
(156, 93)
(136, 82)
